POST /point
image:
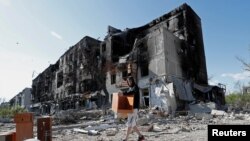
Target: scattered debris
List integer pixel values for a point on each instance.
(80, 131)
(100, 127)
(156, 128)
(218, 113)
(111, 131)
(203, 116)
(199, 108)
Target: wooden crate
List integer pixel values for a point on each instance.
(24, 126)
(122, 104)
(44, 128)
(8, 136)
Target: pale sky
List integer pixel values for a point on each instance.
(35, 33)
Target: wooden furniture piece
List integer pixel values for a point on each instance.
(122, 104)
(44, 128)
(8, 136)
(24, 126)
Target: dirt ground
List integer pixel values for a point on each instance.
(180, 128)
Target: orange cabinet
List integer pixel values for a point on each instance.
(24, 126)
(122, 104)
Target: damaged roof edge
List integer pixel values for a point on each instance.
(157, 20)
(84, 39)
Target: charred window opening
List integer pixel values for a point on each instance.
(86, 85)
(180, 21)
(143, 53)
(59, 79)
(119, 48)
(143, 47)
(70, 90)
(103, 47)
(144, 69)
(145, 95)
(113, 78)
(124, 74)
(70, 68)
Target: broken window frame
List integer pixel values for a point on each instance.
(144, 68)
(145, 95)
(112, 79)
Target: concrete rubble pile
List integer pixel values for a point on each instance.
(153, 125)
(93, 125)
(74, 116)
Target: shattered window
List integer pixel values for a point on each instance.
(113, 78)
(144, 69)
(118, 48)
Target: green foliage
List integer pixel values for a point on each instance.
(232, 98)
(238, 99)
(9, 112)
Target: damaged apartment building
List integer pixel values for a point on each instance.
(69, 82)
(166, 57)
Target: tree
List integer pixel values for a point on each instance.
(245, 64)
(239, 85)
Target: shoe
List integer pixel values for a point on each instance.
(141, 138)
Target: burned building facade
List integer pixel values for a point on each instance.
(166, 57)
(65, 84)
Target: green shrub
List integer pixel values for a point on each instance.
(238, 99)
(232, 98)
(9, 112)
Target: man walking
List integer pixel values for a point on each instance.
(132, 117)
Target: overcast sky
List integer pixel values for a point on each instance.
(35, 33)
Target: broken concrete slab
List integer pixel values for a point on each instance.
(199, 108)
(203, 116)
(80, 131)
(218, 113)
(157, 128)
(93, 132)
(211, 105)
(89, 132)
